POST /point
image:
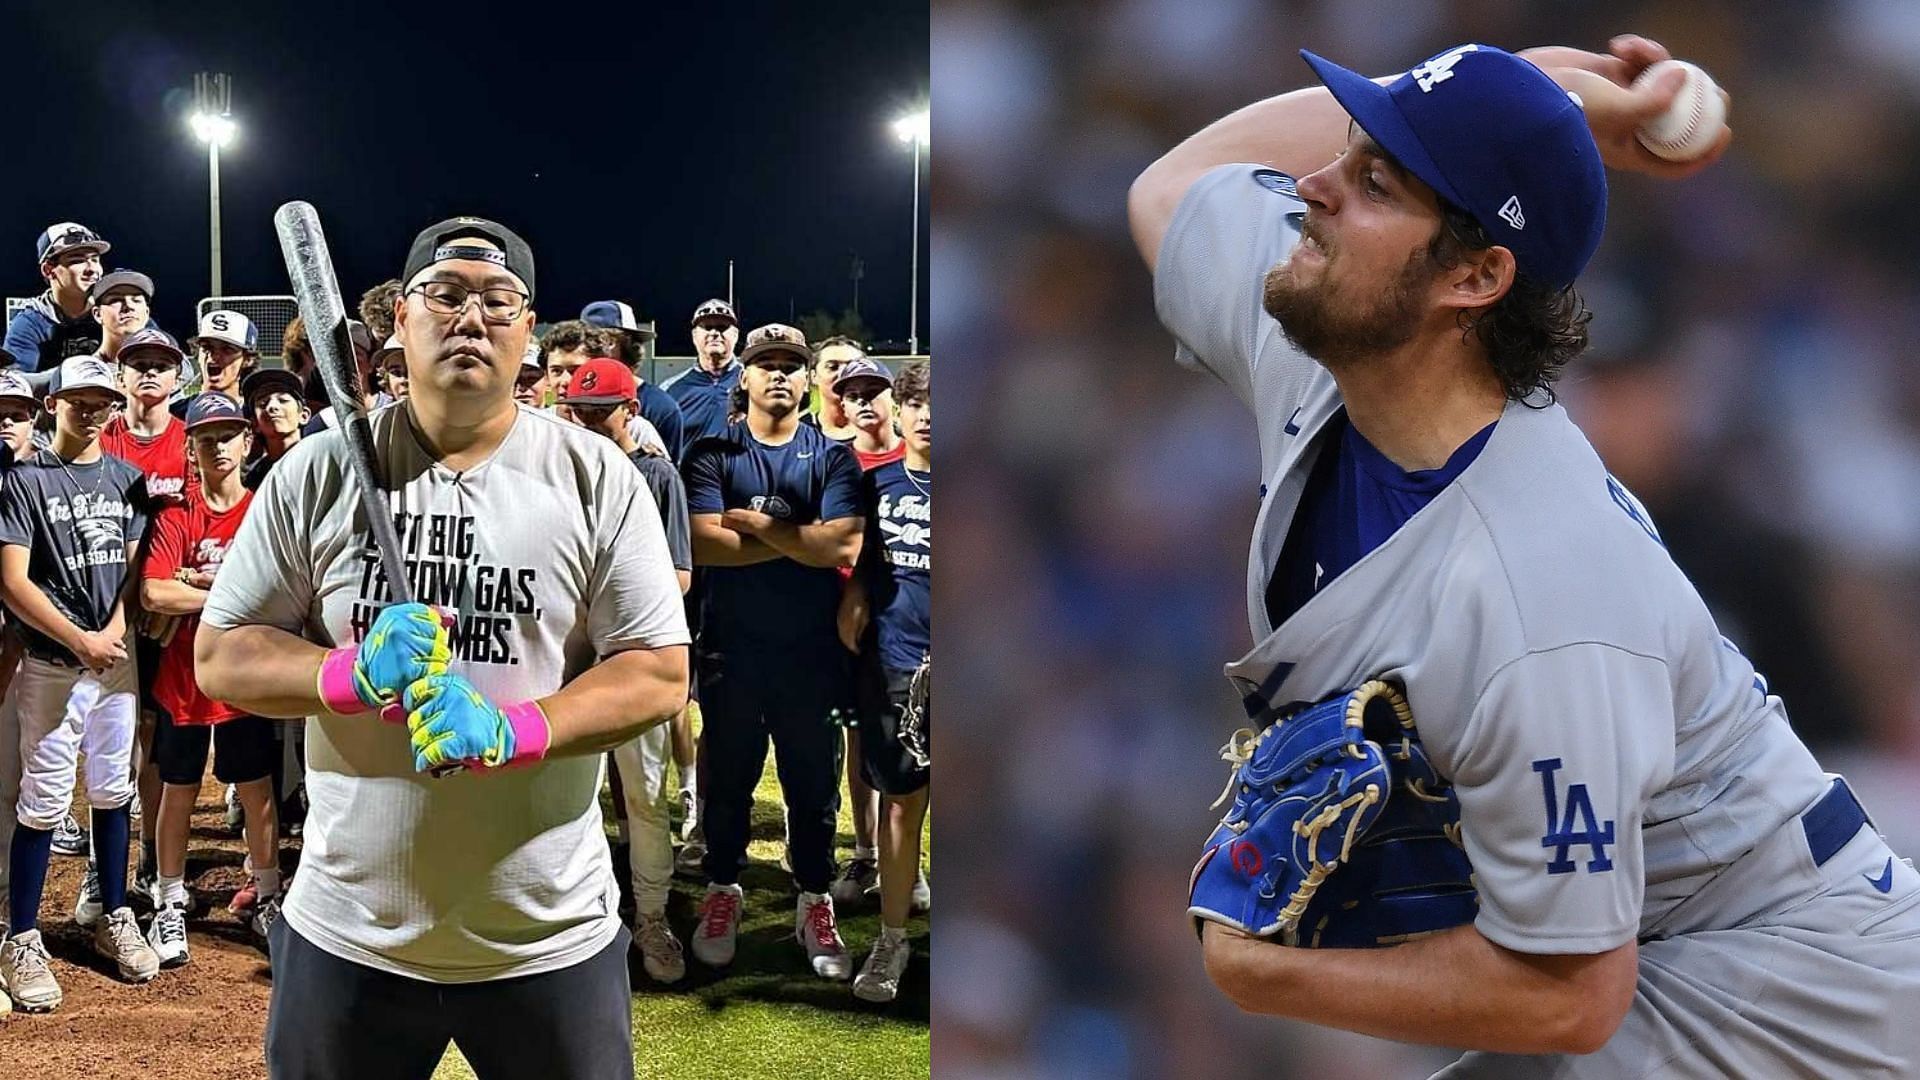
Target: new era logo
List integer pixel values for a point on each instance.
(1510, 212)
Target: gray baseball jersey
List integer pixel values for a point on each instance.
(1613, 753)
(552, 555)
(76, 521)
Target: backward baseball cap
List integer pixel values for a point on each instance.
(433, 244)
(1496, 137)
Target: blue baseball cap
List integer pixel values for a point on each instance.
(214, 408)
(614, 315)
(1493, 135)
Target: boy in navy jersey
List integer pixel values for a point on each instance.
(887, 617)
(775, 508)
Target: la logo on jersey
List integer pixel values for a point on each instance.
(1440, 68)
(1580, 827)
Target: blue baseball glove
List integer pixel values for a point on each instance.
(1409, 875)
(1308, 788)
(453, 725)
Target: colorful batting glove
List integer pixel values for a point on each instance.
(453, 724)
(408, 642)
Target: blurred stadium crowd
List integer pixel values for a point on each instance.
(1751, 379)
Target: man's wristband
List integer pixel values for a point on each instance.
(532, 734)
(337, 681)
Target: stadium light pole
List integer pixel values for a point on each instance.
(915, 128)
(213, 124)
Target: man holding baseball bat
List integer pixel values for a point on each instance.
(477, 907)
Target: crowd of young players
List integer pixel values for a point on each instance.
(801, 531)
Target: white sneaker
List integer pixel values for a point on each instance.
(879, 978)
(235, 817)
(855, 880)
(88, 908)
(168, 935)
(719, 929)
(660, 951)
(689, 815)
(814, 925)
(264, 917)
(26, 971)
(922, 896)
(69, 838)
(118, 938)
(690, 860)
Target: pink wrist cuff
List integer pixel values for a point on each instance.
(532, 735)
(336, 682)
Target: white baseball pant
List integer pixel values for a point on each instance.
(62, 712)
(643, 777)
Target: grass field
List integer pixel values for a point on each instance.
(768, 1015)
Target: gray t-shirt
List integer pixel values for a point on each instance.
(670, 494)
(76, 520)
(1612, 751)
(552, 555)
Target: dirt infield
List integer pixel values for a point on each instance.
(766, 1016)
(204, 1020)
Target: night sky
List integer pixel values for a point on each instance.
(637, 147)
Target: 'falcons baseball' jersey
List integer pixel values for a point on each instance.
(897, 562)
(808, 479)
(551, 556)
(76, 522)
(1611, 750)
(191, 536)
(162, 457)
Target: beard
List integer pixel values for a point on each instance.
(1326, 323)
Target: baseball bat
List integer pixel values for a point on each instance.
(309, 264)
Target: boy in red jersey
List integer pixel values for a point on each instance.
(189, 543)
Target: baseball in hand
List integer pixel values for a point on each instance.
(1692, 125)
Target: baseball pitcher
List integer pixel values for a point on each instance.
(1493, 722)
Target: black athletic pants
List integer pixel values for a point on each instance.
(783, 695)
(333, 1019)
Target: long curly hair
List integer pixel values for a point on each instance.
(1530, 333)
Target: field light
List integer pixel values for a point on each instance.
(213, 129)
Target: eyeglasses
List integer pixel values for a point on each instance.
(497, 305)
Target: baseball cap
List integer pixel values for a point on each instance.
(531, 357)
(776, 337)
(1493, 135)
(15, 385)
(432, 246)
(150, 338)
(118, 279)
(84, 373)
(601, 381)
(387, 348)
(268, 380)
(862, 368)
(716, 309)
(229, 326)
(213, 408)
(65, 236)
(613, 315)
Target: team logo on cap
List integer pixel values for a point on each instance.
(1440, 68)
(590, 380)
(1277, 182)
